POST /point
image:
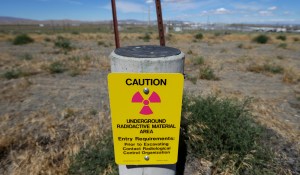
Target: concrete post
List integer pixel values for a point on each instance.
(147, 59)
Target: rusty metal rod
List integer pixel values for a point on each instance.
(115, 21)
(160, 23)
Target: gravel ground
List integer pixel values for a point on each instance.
(276, 104)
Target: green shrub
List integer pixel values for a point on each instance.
(207, 73)
(261, 39)
(95, 158)
(190, 52)
(63, 43)
(22, 39)
(282, 45)
(281, 37)
(75, 32)
(276, 69)
(199, 36)
(193, 79)
(12, 74)
(146, 37)
(57, 67)
(222, 131)
(217, 34)
(198, 60)
(280, 57)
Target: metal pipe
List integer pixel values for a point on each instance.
(160, 23)
(115, 22)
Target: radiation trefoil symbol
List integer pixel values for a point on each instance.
(146, 110)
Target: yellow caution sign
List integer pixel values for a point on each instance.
(145, 111)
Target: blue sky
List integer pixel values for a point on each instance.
(227, 11)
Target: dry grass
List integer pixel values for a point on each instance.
(266, 113)
(291, 76)
(42, 143)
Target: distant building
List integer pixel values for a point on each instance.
(178, 29)
(281, 30)
(41, 25)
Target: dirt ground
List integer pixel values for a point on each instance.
(46, 117)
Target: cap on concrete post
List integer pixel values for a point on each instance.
(147, 59)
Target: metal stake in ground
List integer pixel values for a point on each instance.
(160, 23)
(115, 21)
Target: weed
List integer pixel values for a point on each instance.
(193, 79)
(57, 67)
(222, 131)
(244, 46)
(22, 39)
(93, 112)
(27, 56)
(74, 72)
(169, 37)
(47, 39)
(146, 37)
(281, 37)
(282, 45)
(101, 43)
(261, 39)
(208, 74)
(199, 36)
(63, 43)
(224, 50)
(276, 69)
(198, 60)
(74, 58)
(296, 39)
(241, 45)
(255, 68)
(267, 67)
(67, 113)
(86, 58)
(95, 158)
(190, 52)
(217, 34)
(75, 33)
(12, 74)
(280, 57)
(290, 77)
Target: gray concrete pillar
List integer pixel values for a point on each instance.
(147, 59)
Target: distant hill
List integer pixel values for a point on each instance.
(13, 20)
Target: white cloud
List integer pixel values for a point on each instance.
(149, 1)
(221, 11)
(265, 13)
(252, 6)
(272, 8)
(128, 7)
